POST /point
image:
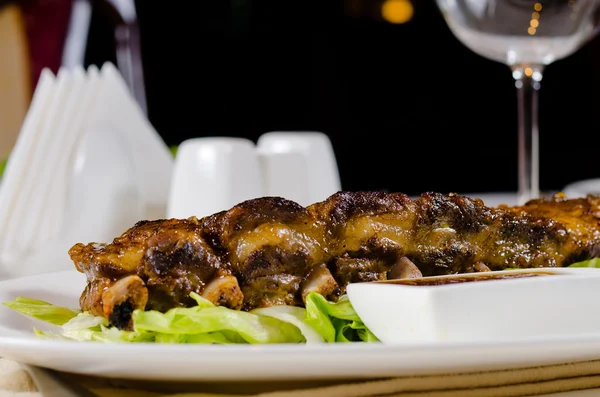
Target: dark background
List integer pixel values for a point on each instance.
(407, 107)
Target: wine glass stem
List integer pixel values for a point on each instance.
(527, 80)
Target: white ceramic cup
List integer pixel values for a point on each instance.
(213, 174)
(298, 165)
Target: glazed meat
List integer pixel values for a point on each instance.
(153, 265)
(271, 251)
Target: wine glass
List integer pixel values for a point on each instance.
(526, 35)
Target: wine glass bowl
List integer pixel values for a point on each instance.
(517, 32)
(525, 35)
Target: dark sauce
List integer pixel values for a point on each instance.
(463, 278)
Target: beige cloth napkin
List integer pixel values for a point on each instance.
(16, 382)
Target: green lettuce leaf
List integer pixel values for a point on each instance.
(3, 166)
(595, 262)
(321, 321)
(42, 310)
(204, 319)
(203, 323)
(336, 322)
(293, 315)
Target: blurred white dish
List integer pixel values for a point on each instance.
(491, 199)
(582, 188)
(494, 199)
(481, 307)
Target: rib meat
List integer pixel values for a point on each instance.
(271, 251)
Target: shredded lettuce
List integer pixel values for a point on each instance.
(3, 166)
(42, 310)
(293, 315)
(320, 322)
(336, 322)
(595, 262)
(205, 319)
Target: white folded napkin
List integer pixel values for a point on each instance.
(86, 166)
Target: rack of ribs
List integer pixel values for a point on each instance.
(272, 251)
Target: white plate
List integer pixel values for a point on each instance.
(253, 362)
(494, 199)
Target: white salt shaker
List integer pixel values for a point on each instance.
(212, 174)
(298, 165)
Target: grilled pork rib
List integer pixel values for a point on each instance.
(271, 251)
